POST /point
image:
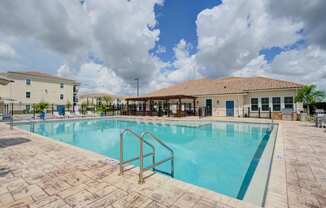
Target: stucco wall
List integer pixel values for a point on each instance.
(40, 91)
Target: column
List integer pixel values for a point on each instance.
(194, 106)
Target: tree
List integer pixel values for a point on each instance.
(107, 100)
(309, 95)
(68, 105)
(40, 107)
(84, 106)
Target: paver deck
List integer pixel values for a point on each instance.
(36, 172)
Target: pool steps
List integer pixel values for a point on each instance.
(142, 142)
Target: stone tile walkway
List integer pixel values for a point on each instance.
(305, 160)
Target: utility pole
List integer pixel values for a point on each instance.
(137, 79)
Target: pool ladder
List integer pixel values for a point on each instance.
(141, 156)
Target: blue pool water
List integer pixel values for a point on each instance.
(220, 156)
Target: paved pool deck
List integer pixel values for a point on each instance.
(37, 172)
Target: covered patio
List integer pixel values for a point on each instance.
(169, 105)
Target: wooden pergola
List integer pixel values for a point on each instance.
(166, 99)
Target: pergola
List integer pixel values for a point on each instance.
(165, 98)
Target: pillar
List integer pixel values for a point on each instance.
(144, 108)
(194, 106)
(179, 108)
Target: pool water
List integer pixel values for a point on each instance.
(220, 156)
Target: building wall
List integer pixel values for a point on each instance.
(243, 102)
(41, 90)
(219, 104)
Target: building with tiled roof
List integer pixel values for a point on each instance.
(31, 87)
(230, 96)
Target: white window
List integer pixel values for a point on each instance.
(62, 85)
(265, 104)
(288, 102)
(28, 94)
(28, 81)
(61, 96)
(276, 103)
(254, 104)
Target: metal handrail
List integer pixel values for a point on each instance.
(162, 161)
(141, 156)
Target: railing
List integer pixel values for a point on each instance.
(141, 156)
(171, 158)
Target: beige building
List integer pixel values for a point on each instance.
(30, 88)
(93, 98)
(230, 96)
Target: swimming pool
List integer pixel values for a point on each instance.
(220, 156)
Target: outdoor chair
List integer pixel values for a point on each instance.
(89, 113)
(57, 115)
(78, 114)
(68, 114)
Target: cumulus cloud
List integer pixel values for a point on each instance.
(96, 77)
(119, 33)
(60, 25)
(6, 51)
(310, 13)
(125, 32)
(232, 34)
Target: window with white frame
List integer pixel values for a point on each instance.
(288, 103)
(61, 96)
(276, 103)
(254, 104)
(28, 94)
(265, 104)
(62, 85)
(28, 81)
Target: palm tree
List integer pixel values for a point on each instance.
(68, 105)
(107, 99)
(309, 95)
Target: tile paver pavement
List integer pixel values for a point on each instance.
(43, 173)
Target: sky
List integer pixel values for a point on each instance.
(106, 44)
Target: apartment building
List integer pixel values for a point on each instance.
(32, 87)
(93, 98)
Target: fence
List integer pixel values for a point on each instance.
(21, 111)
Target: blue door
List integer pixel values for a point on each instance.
(61, 109)
(229, 108)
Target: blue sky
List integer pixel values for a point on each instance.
(108, 43)
(177, 20)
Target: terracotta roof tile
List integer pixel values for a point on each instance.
(228, 85)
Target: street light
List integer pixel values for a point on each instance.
(137, 79)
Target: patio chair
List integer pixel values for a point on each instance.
(78, 114)
(57, 115)
(68, 114)
(89, 113)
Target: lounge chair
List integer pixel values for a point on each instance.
(68, 114)
(89, 113)
(57, 115)
(78, 114)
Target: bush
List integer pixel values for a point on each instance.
(40, 107)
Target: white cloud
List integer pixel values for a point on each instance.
(306, 65)
(99, 78)
(310, 13)
(6, 51)
(125, 32)
(231, 35)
